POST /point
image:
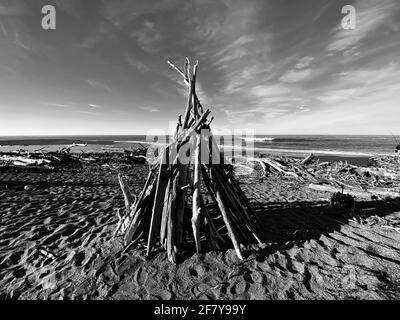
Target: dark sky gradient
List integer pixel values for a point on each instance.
(277, 66)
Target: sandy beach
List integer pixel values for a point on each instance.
(199, 150)
(56, 243)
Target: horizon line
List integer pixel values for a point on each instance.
(141, 134)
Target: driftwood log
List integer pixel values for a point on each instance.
(366, 194)
(307, 160)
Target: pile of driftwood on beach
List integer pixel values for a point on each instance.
(161, 212)
(41, 160)
(378, 181)
(137, 155)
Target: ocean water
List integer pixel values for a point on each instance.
(330, 144)
(296, 144)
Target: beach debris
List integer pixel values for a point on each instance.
(357, 192)
(8, 160)
(136, 156)
(307, 160)
(295, 170)
(241, 169)
(377, 181)
(42, 160)
(162, 210)
(23, 161)
(47, 254)
(68, 148)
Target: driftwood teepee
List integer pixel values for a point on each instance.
(161, 212)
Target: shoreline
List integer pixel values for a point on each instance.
(354, 158)
(287, 145)
(294, 152)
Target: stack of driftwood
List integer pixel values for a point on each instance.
(137, 155)
(378, 181)
(161, 213)
(40, 159)
(288, 167)
(372, 182)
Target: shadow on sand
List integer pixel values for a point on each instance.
(286, 225)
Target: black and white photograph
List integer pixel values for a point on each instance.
(214, 151)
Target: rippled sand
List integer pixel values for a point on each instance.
(56, 229)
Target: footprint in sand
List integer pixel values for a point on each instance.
(76, 235)
(238, 287)
(140, 276)
(15, 257)
(78, 259)
(199, 271)
(257, 277)
(19, 273)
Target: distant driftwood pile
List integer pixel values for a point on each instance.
(161, 212)
(382, 180)
(40, 159)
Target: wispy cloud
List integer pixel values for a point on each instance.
(99, 85)
(371, 15)
(56, 104)
(12, 8)
(300, 72)
(19, 42)
(86, 112)
(92, 105)
(234, 51)
(363, 83)
(304, 62)
(137, 64)
(267, 91)
(148, 37)
(322, 11)
(149, 109)
(337, 96)
(244, 61)
(7, 69)
(89, 42)
(292, 76)
(255, 115)
(3, 29)
(303, 109)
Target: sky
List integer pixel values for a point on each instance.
(273, 66)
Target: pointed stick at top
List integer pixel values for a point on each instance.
(194, 101)
(189, 106)
(180, 72)
(187, 69)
